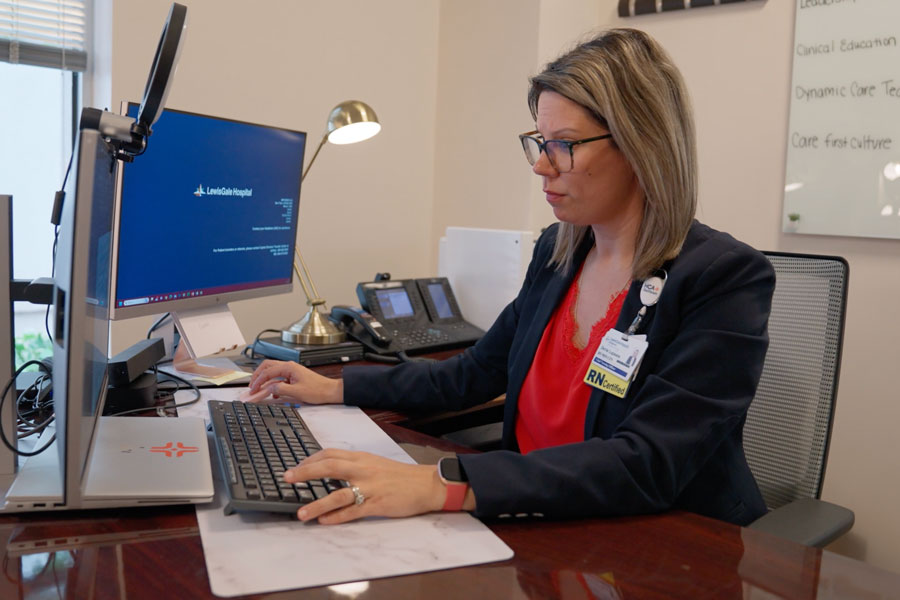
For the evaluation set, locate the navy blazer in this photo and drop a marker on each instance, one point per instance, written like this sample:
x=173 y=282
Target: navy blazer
x=674 y=441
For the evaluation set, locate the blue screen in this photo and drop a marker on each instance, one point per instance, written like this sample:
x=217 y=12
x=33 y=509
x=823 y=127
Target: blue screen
x=441 y=304
x=209 y=208
x=394 y=303
x=101 y=196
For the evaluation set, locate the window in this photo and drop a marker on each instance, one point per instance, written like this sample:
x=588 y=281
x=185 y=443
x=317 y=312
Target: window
x=41 y=55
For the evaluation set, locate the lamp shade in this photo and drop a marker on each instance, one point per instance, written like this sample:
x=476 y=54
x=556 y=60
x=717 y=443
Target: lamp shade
x=349 y=122
x=352 y=121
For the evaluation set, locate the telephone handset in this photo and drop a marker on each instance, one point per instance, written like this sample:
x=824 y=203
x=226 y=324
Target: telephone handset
x=407 y=315
x=369 y=324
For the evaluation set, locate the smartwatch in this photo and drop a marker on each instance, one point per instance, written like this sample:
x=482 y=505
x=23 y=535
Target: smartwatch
x=453 y=476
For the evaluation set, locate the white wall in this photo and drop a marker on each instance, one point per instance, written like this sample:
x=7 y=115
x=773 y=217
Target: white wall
x=561 y=27
x=481 y=177
x=364 y=208
x=427 y=67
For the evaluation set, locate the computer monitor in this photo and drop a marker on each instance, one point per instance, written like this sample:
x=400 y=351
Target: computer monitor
x=7 y=343
x=81 y=306
x=207 y=215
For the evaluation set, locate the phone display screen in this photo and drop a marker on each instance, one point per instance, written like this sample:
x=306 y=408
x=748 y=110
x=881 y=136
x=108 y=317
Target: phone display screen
x=394 y=303
x=441 y=304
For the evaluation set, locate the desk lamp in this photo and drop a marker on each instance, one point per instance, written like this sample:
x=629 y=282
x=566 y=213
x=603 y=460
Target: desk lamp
x=349 y=122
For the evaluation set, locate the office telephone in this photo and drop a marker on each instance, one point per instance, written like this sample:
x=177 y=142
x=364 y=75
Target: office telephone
x=407 y=315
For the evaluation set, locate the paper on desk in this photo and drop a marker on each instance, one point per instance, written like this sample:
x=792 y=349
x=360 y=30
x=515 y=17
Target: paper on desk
x=224 y=378
x=255 y=553
x=224 y=368
x=199 y=409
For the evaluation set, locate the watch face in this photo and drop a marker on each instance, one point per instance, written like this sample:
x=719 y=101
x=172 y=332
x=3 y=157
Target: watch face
x=449 y=469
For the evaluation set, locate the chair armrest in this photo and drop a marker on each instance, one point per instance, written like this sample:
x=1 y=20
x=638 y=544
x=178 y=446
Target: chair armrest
x=807 y=521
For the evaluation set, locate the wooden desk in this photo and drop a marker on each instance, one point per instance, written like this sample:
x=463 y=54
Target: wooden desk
x=156 y=553
x=434 y=424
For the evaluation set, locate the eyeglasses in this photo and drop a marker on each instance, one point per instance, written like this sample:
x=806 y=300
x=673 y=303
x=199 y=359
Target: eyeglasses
x=559 y=152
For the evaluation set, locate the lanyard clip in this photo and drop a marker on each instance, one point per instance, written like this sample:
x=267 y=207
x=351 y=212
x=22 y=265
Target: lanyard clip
x=635 y=323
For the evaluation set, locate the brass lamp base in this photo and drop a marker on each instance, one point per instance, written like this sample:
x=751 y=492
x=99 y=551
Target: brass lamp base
x=314 y=329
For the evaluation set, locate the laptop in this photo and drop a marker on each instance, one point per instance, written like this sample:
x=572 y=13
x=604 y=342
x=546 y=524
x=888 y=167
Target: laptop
x=134 y=461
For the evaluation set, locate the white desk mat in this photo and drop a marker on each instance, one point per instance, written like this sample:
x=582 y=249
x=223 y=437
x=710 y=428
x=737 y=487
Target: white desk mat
x=254 y=553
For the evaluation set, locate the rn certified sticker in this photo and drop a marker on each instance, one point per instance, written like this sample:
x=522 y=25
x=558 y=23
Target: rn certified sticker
x=615 y=362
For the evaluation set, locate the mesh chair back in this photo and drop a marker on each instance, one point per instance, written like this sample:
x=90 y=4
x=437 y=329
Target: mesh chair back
x=789 y=422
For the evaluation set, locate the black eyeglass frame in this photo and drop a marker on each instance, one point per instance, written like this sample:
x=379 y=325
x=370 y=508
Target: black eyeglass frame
x=530 y=135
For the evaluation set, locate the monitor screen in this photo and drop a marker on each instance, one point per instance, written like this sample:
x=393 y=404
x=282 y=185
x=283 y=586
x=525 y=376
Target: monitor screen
x=81 y=301
x=207 y=215
x=394 y=303
x=439 y=298
x=8 y=417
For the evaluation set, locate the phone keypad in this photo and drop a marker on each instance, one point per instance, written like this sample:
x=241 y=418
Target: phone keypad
x=420 y=337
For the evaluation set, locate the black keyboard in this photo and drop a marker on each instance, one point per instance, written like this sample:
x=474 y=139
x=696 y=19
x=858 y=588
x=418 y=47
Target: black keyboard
x=256 y=444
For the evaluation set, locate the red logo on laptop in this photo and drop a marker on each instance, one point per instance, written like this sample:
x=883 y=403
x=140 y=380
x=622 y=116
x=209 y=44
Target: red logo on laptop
x=178 y=449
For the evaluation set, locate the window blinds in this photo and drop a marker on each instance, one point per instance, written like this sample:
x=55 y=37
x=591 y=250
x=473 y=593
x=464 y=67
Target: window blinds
x=47 y=33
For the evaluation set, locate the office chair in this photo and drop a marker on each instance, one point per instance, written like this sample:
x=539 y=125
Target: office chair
x=788 y=425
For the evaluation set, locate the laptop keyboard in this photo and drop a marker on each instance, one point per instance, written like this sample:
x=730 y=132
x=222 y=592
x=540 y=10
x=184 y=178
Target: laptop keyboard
x=255 y=445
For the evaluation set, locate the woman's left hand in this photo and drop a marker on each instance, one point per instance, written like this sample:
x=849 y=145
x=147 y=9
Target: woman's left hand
x=389 y=488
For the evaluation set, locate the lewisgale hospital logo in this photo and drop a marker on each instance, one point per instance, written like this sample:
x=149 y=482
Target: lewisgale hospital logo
x=177 y=450
x=223 y=191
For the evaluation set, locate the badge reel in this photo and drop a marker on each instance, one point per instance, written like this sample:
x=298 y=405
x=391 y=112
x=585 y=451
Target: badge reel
x=619 y=355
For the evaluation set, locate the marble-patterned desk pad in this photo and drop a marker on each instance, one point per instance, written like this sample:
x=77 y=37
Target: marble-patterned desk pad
x=253 y=553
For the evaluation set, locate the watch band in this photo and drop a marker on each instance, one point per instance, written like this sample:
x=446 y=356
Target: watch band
x=456 y=495
x=456 y=484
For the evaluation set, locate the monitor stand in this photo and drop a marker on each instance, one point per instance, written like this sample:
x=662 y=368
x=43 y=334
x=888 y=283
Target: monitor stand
x=39 y=475
x=205 y=332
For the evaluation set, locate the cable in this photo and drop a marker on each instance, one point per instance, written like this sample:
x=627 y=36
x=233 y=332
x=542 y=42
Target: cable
x=37 y=428
x=56 y=211
x=32 y=392
x=404 y=357
x=382 y=358
x=37 y=395
x=69 y=167
x=6 y=389
x=157 y=324
x=52 y=274
x=252 y=346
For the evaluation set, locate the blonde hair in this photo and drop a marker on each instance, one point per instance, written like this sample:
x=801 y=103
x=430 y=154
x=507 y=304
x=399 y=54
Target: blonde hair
x=625 y=79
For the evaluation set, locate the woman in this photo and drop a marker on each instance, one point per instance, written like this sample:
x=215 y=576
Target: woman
x=614 y=146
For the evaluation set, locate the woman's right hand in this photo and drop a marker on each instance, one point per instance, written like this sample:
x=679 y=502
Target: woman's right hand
x=290 y=382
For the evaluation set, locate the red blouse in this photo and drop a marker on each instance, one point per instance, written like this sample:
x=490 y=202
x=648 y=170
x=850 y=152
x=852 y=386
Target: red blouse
x=554 y=398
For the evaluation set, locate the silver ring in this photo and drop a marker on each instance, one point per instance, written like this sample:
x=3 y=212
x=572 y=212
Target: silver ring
x=358 y=496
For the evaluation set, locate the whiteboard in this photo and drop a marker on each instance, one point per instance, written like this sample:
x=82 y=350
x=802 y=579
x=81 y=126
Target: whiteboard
x=485 y=268
x=843 y=148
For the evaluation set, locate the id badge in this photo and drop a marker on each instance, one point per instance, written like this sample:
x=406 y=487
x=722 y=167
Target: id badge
x=615 y=362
